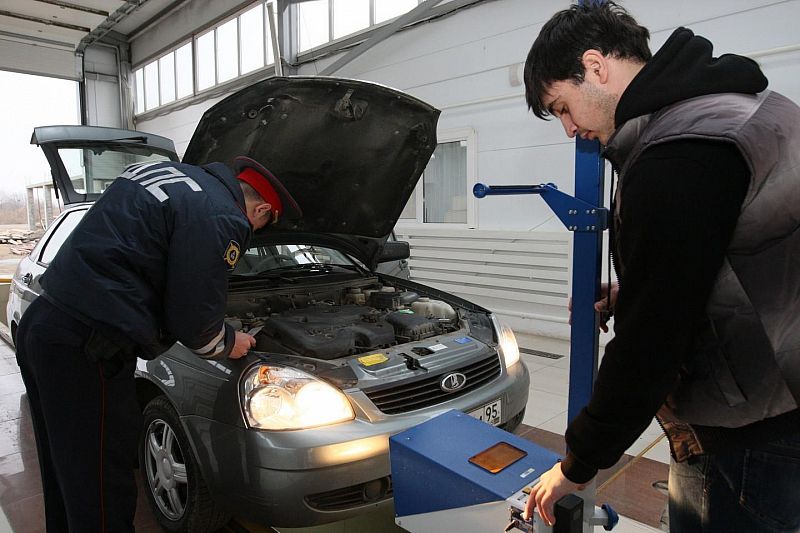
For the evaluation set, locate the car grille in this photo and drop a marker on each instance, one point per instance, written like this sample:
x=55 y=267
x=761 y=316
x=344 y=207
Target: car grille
x=352 y=496
x=408 y=396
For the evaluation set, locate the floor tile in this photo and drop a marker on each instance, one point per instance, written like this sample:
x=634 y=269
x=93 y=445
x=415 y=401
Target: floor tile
x=19 y=477
x=542 y=406
x=557 y=424
x=551 y=379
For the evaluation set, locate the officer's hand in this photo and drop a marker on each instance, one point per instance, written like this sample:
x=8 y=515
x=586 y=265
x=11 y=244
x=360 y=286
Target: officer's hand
x=242 y=345
x=550 y=488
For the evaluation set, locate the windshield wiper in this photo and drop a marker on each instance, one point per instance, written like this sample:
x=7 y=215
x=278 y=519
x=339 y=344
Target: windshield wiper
x=265 y=274
x=310 y=267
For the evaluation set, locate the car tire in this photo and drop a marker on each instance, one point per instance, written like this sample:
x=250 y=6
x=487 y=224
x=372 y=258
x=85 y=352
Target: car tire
x=175 y=488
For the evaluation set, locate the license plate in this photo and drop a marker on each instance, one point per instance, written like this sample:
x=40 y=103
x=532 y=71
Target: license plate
x=491 y=413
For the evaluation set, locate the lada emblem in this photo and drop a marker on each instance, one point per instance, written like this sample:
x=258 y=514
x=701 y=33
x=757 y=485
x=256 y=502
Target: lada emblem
x=453 y=382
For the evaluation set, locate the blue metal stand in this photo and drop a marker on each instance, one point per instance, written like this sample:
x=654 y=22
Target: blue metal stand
x=584 y=215
x=587 y=261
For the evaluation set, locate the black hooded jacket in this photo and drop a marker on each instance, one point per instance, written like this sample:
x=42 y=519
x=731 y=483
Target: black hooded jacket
x=681 y=203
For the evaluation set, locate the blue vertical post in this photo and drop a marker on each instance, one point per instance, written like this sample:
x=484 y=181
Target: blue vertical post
x=587 y=260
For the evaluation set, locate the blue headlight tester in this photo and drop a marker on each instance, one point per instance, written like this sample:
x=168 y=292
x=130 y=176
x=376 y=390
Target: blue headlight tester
x=436 y=486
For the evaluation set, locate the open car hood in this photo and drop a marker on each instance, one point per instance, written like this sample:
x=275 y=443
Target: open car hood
x=85 y=159
x=350 y=153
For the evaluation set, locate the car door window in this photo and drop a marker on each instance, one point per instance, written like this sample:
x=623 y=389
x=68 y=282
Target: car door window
x=60 y=234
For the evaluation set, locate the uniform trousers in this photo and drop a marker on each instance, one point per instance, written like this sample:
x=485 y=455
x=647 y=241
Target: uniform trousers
x=86 y=421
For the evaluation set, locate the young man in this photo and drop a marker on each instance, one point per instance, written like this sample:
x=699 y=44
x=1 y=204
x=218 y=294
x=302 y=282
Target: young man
x=706 y=242
x=146 y=267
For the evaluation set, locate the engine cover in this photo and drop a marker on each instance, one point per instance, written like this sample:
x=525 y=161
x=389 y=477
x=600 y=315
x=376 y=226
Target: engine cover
x=330 y=331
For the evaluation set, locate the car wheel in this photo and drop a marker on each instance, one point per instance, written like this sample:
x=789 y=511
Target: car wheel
x=178 y=495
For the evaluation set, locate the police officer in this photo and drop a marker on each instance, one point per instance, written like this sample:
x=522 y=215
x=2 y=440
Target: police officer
x=146 y=267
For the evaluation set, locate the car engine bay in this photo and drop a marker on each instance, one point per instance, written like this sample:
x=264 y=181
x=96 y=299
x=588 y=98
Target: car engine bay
x=331 y=321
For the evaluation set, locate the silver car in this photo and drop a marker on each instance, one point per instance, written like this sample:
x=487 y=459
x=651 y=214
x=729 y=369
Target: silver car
x=296 y=433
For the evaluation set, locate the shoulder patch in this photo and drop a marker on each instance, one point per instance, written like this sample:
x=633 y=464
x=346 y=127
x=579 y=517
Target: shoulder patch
x=232 y=254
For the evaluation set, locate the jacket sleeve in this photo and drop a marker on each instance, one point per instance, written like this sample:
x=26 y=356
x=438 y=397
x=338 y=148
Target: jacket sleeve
x=197 y=279
x=680 y=205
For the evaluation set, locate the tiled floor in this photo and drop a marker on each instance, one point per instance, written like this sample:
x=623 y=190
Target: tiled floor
x=631 y=493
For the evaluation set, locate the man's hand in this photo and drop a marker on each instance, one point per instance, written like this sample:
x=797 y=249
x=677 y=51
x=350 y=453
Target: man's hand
x=242 y=345
x=550 y=488
x=601 y=306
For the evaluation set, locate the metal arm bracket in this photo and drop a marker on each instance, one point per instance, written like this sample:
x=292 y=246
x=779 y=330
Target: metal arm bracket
x=574 y=213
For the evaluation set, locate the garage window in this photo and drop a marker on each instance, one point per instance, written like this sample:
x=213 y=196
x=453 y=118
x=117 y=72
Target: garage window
x=349 y=16
x=184 y=78
x=151 y=99
x=242 y=44
x=321 y=21
x=389 y=9
x=164 y=80
x=444 y=192
x=313 y=24
x=254 y=43
x=166 y=76
x=237 y=46
x=206 y=62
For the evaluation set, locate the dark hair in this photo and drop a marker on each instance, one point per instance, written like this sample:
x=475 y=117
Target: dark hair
x=556 y=54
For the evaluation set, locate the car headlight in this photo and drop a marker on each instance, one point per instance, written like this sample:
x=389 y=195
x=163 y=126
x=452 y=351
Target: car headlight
x=507 y=343
x=276 y=397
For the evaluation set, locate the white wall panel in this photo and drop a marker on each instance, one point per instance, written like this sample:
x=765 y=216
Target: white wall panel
x=178 y=125
x=42 y=60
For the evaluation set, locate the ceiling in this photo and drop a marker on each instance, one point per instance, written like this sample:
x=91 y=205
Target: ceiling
x=77 y=23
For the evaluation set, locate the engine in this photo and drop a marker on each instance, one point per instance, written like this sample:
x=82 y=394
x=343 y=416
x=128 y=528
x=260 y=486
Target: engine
x=338 y=322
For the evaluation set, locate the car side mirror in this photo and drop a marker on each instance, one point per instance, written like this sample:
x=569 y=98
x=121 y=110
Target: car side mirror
x=394 y=251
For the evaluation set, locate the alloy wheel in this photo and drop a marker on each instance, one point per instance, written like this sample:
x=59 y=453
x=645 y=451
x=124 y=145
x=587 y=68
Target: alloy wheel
x=166 y=469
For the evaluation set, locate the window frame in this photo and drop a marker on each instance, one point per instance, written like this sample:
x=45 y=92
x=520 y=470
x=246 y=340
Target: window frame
x=470 y=136
x=157 y=61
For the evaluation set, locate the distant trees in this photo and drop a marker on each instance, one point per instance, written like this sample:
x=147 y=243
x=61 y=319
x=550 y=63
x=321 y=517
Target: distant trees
x=13 y=209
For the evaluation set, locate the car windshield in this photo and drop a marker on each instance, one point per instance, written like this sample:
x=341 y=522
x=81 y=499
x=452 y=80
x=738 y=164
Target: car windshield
x=91 y=169
x=266 y=258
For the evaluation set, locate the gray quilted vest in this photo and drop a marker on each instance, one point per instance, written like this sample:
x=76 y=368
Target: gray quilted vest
x=746 y=361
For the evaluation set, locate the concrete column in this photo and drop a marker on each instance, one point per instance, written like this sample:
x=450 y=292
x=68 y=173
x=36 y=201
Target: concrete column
x=48 y=205
x=30 y=208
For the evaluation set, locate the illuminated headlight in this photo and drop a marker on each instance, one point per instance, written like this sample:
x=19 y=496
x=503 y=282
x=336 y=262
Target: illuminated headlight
x=275 y=397
x=507 y=343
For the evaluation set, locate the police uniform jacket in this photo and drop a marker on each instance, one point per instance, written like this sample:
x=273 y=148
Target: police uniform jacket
x=147 y=265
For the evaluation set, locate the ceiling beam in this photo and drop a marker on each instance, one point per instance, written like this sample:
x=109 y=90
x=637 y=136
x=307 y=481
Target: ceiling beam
x=46 y=22
x=76 y=7
x=104 y=27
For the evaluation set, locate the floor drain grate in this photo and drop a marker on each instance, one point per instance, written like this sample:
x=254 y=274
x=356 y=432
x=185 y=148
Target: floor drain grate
x=539 y=353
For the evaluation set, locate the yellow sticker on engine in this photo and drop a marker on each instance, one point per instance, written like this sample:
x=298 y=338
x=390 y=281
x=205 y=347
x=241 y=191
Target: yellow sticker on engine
x=373 y=359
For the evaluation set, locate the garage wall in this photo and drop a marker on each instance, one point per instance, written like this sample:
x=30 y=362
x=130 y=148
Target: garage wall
x=42 y=59
x=470 y=65
x=102 y=87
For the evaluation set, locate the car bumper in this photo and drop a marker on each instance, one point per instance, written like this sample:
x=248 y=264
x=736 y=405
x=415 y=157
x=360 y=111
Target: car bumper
x=309 y=477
